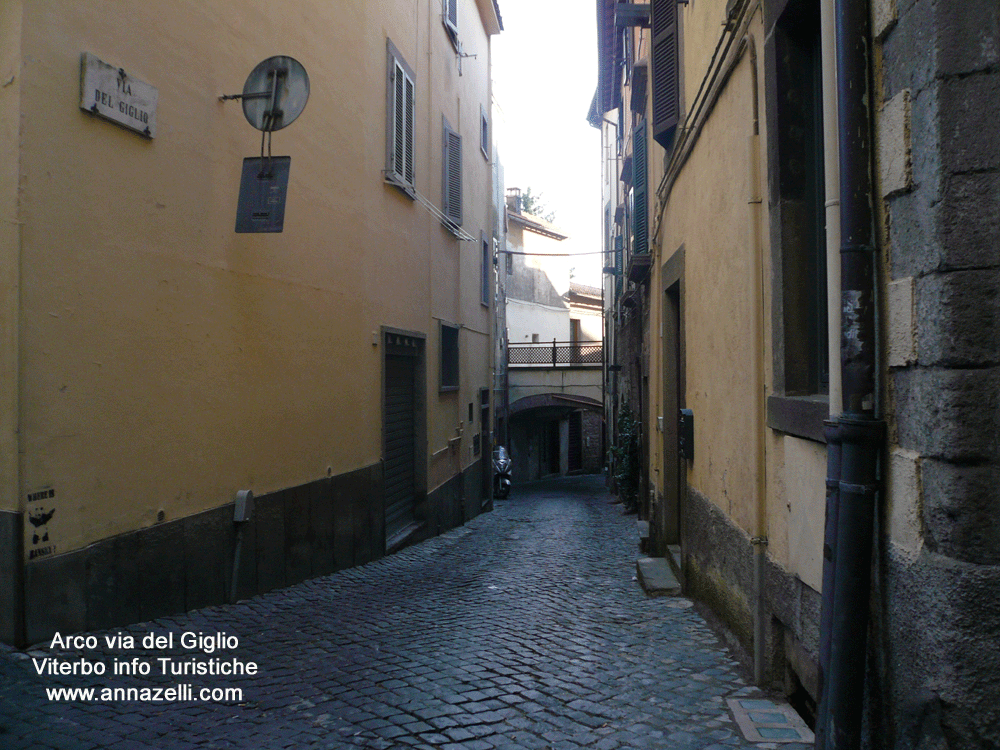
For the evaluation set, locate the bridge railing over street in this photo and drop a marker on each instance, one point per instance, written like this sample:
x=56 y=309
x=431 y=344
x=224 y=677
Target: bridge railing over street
x=556 y=354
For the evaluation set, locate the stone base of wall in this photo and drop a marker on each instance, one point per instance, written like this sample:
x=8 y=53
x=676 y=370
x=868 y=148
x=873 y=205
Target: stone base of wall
x=718 y=562
x=295 y=534
x=458 y=500
x=11 y=609
x=937 y=651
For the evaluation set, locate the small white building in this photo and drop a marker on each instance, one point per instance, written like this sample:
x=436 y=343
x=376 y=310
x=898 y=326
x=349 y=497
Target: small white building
x=554 y=353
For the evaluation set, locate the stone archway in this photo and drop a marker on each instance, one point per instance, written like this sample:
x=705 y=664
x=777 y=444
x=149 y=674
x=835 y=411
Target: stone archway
x=556 y=434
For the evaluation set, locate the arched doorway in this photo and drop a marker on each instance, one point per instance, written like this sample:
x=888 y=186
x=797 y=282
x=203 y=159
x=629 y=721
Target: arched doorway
x=555 y=434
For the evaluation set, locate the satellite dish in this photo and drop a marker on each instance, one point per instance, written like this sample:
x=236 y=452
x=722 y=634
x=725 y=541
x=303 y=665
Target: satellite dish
x=275 y=93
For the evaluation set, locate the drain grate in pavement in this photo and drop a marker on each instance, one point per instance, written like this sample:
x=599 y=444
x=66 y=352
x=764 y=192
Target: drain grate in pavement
x=762 y=720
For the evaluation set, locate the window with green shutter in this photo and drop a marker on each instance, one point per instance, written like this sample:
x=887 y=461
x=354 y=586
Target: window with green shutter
x=640 y=187
x=449 y=17
x=400 y=104
x=665 y=71
x=487 y=271
x=451 y=191
x=484 y=132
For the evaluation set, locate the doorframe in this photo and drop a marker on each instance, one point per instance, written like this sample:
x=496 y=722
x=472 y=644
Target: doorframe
x=421 y=511
x=674 y=469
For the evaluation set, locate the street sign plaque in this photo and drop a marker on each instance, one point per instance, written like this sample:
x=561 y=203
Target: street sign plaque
x=111 y=93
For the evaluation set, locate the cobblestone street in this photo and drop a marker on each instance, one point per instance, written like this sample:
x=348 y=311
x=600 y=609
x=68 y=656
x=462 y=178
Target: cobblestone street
x=522 y=629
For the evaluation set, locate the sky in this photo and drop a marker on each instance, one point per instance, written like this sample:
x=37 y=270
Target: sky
x=544 y=76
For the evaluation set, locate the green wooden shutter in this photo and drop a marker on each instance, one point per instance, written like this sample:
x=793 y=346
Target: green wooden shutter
x=398 y=119
x=403 y=102
x=452 y=187
x=666 y=80
x=450 y=17
x=640 y=186
x=409 y=103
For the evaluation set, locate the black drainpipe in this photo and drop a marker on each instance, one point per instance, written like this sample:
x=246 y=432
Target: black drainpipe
x=831 y=431
x=860 y=431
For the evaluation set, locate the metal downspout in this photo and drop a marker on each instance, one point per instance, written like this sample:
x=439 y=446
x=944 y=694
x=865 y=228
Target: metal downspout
x=831 y=430
x=759 y=539
x=860 y=430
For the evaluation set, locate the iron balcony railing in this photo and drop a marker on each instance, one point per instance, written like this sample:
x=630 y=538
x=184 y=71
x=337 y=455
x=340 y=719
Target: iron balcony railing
x=556 y=354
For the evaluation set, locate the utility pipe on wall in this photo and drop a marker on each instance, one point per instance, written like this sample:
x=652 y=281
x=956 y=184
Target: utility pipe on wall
x=759 y=539
x=860 y=430
x=831 y=176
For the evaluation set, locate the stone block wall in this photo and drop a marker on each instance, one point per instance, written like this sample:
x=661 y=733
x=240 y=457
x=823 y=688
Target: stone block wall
x=936 y=653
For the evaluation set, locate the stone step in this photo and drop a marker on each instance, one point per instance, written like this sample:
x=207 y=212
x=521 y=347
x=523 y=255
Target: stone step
x=657 y=577
x=643 y=528
x=675 y=561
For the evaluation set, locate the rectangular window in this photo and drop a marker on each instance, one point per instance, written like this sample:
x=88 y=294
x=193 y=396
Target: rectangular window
x=449 y=17
x=798 y=227
x=665 y=71
x=400 y=104
x=449 y=357
x=640 y=182
x=487 y=271
x=451 y=189
x=484 y=132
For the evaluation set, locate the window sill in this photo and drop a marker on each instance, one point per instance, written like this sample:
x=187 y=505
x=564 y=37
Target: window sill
x=801 y=416
x=448 y=389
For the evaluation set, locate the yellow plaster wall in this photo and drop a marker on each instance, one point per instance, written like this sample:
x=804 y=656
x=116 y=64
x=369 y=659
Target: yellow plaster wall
x=801 y=551
x=708 y=215
x=10 y=248
x=701 y=25
x=455 y=270
x=168 y=361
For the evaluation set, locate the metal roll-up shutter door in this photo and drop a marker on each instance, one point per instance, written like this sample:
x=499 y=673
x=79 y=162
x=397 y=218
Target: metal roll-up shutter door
x=400 y=441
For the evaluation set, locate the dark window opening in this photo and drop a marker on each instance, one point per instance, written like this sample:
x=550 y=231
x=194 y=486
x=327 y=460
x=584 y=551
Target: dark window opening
x=484 y=132
x=801 y=200
x=487 y=269
x=449 y=357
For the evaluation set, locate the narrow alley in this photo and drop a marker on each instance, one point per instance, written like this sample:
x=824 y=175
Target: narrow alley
x=524 y=628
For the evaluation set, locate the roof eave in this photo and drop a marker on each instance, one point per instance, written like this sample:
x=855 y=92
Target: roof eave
x=489 y=12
